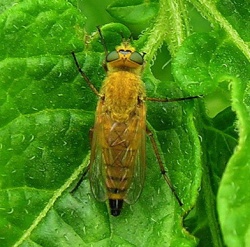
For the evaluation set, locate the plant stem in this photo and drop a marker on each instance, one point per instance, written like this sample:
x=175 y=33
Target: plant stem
x=177 y=25
x=170 y=25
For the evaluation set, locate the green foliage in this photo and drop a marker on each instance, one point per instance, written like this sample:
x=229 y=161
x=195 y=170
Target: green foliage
x=46 y=111
x=126 y=11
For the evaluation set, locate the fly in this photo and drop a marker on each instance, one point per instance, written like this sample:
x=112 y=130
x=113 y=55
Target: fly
x=117 y=163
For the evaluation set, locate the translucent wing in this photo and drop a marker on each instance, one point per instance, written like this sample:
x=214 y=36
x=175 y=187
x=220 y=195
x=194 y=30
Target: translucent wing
x=97 y=166
x=139 y=167
x=117 y=168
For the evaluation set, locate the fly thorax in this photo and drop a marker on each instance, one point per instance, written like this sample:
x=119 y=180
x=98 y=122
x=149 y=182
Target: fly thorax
x=122 y=90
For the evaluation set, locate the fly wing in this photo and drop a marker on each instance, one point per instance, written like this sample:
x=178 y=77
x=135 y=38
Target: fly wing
x=139 y=167
x=117 y=165
x=97 y=166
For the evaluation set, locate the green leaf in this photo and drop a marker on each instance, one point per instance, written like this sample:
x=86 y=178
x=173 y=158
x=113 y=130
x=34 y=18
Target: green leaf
x=237 y=14
x=217 y=133
x=229 y=68
x=190 y=66
x=133 y=11
x=233 y=193
x=46 y=115
x=40 y=110
x=47 y=110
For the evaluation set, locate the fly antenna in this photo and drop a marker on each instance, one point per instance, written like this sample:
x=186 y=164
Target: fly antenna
x=102 y=40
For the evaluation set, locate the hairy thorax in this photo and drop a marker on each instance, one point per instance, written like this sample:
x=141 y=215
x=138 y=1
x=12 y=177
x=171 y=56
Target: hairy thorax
x=122 y=92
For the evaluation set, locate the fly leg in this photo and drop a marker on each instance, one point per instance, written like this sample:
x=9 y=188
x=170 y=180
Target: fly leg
x=83 y=176
x=86 y=170
x=92 y=87
x=172 y=100
x=154 y=145
x=163 y=171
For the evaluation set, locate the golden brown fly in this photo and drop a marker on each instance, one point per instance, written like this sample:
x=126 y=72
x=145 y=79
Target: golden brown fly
x=117 y=163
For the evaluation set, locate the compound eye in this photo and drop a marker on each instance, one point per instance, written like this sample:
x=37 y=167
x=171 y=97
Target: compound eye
x=112 y=56
x=137 y=58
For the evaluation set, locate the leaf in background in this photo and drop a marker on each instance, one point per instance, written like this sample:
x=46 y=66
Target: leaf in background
x=190 y=66
x=133 y=11
x=237 y=13
x=231 y=66
x=112 y=34
x=45 y=117
x=228 y=67
x=219 y=139
x=233 y=197
x=195 y=63
x=43 y=131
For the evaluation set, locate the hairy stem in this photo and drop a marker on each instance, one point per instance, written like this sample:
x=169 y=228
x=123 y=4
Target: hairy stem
x=170 y=25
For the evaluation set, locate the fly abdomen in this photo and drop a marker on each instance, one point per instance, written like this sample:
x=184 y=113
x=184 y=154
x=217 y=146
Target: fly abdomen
x=117 y=181
x=116 y=186
x=119 y=153
x=116 y=190
x=115 y=206
x=118 y=168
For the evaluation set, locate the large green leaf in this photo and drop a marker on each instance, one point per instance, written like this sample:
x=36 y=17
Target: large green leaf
x=47 y=110
x=229 y=68
x=133 y=11
x=46 y=114
x=233 y=196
